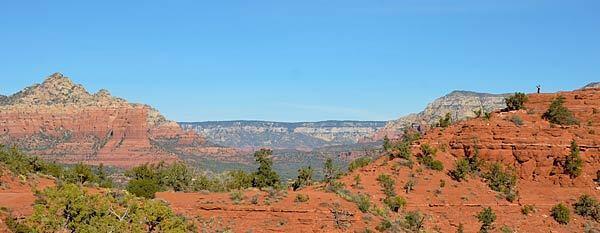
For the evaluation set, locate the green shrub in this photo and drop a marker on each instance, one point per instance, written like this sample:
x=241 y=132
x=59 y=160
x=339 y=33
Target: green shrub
x=460 y=171
x=179 y=177
x=330 y=171
x=395 y=203
x=410 y=135
x=80 y=174
x=427 y=158
x=301 y=198
x=486 y=217
x=20 y=163
x=478 y=113
x=144 y=187
x=237 y=196
x=235 y=180
x=587 y=206
x=58 y=171
x=68 y=208
x=475 y=163
x=470 y=164
x=265 y=176
x=17 y=162
x=103 y=180
x=502 y=180
x=150 y=178
x=404 y=151
x=517 y=120
x=384 y=225
x=561 y=214
x=304 y=178
x=176 y=176
x=334 y=186
x=445 y=121
x=387 y=184
x=487 y=115
x=516 y=101
x=387 y=144
x=414 y=221
x=574 y=163
x=358 y=163
x=363 y=201
x=506 y=229
x=557 y=113
x=528 y=209
x=436 y=165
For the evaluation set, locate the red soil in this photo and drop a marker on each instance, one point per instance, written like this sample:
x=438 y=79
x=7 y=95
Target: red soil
x=535 y=149
x=17 y=195
x=284 y=215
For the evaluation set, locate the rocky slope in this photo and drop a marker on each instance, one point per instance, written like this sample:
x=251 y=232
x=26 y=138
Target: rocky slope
x=61 y=120
x=280 y=135
x=460 y=104
x=535 y=148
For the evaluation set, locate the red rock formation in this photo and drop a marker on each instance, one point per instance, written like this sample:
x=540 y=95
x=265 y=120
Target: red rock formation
x=536 y=146
x=62 y=121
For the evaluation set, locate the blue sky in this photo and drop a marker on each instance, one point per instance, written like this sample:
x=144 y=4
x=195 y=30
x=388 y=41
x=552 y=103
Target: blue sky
x=300 y=60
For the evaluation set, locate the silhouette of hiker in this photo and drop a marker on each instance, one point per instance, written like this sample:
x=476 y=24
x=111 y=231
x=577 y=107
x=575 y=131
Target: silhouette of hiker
x=539 y=88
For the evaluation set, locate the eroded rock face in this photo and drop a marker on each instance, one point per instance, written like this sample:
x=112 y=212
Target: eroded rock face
x=524 y=140
x=460 y=104
x=61 y=121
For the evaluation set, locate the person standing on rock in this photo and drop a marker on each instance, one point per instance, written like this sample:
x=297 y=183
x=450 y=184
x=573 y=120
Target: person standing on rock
x=539 y=88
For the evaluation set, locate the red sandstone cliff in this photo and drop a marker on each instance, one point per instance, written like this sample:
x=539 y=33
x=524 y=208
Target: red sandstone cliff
x=60 y=120
x=535 y=147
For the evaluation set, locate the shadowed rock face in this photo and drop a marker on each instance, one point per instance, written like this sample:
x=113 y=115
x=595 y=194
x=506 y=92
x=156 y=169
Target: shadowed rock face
x=60 y=120
x=280 y=135
x=460 y=104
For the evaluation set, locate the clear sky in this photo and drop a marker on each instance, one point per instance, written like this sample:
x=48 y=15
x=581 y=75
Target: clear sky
x=300 y=60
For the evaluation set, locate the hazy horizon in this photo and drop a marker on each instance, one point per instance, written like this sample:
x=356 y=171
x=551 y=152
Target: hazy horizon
x=300 y=62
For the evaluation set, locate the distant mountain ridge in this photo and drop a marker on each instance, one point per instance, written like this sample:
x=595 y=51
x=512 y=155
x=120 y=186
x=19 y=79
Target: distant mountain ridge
x=284 y=135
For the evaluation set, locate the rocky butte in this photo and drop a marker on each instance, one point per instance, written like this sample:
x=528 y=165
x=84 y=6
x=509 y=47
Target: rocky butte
x=60 y=120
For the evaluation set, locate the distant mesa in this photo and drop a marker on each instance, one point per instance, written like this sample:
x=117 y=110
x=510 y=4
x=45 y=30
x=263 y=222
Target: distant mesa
x=283 y=135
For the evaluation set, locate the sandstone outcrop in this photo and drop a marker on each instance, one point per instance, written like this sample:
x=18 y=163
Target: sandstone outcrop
x=62 y=121
x=529 y=143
